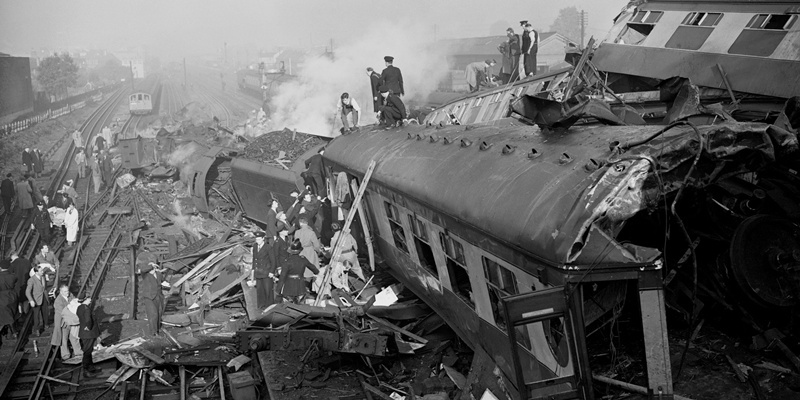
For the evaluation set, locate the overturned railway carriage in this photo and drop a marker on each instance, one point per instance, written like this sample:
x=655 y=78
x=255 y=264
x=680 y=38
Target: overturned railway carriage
x=522 y=214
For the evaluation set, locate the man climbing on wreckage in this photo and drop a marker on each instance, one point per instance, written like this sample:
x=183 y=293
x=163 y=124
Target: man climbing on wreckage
x=393 y=111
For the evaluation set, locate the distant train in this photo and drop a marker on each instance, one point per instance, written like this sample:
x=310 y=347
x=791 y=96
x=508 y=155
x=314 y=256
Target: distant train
x=145 y=100
x=140 y=103
x=264 y=82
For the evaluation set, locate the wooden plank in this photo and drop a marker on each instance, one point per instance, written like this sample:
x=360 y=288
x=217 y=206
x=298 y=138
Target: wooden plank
x=228 y=287
x=398 y=329
x=61 y=381
x=182 y=373
x=221 y=384
x=8 y=371
x=365 y=228
x=150 y=355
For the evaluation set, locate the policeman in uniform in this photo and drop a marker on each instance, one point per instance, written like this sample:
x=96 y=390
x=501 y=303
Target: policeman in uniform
x=152 y=297
x=392 y=78
x=263 y=271
x=291 y=285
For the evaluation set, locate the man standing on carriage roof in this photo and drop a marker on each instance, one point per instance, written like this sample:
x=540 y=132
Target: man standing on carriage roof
x=392 y=78
x=375 y=83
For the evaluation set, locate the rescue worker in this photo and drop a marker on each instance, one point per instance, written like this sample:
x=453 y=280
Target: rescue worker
x=8 y=298
x=391 y=77
x=61 y=336
x=37 y=299
x=88 y=333
x=71 y=223
x=290 y=284
x=7 y=192
x=41 y=222
x=107 y=168
x=308 y=239
x=349 y=250
x=315 y=171
x=271 y=228
x=263 y=271
x=347 y=105
x=152 y=298
x=38 y=162
x=21 y=268
x=477 y=73
x=374 y=84
x=393 y=111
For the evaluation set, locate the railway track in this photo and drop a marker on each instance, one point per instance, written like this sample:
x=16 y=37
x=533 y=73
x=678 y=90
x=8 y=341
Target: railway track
x=22 y=377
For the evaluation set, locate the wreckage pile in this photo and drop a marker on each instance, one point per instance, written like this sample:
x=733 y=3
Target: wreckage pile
x=285 y=144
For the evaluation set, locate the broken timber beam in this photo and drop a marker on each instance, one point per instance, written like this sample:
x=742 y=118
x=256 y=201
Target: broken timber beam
x=398 y=329
x=630 y=387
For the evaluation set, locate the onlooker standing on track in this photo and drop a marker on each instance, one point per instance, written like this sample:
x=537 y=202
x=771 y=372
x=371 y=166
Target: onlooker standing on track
x=24 y=197
x=8 y=298
x=71 y=223
x=80 y=161
x=60 y=329
x=37 y=298
x=150 y=291
x=89 y=331
x=107 y=168
x=22 y=269
x=8 y=193
x=99 y=142
x=97 y=175
x=41 y=222
x=38 y=162
x=77 y=138
x=27 y=160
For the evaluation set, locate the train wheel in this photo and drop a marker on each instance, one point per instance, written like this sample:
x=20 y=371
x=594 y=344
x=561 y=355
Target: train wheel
x=765 y=260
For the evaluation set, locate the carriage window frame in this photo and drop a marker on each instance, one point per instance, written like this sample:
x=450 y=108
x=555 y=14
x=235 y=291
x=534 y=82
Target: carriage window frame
x=702 y=18
x=454 y=258
x=766 y=19
x=498 y=285
x=393 y=216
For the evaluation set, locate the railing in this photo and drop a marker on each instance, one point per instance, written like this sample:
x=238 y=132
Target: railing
x=78 y=103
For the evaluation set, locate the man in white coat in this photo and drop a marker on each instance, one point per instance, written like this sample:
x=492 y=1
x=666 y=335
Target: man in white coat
x=71 y=223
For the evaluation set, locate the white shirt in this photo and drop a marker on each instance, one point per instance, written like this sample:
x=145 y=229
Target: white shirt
x=353 y=103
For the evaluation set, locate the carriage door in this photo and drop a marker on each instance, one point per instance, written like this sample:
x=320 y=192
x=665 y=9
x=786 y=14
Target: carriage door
x=552 y=308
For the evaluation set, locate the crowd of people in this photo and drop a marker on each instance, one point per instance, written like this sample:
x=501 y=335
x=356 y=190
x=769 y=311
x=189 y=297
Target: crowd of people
x=24 y=285
x=292 y=255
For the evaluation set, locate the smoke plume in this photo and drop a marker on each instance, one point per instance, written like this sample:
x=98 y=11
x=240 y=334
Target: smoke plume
x=309 y=103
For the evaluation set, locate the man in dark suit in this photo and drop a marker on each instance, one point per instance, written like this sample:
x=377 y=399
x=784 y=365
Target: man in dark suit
x=41 y=222
x=8 y=193
x=375 y=83
x=150 y=290
x=88 y=333
x=37 y=298
x=392 y=78
x=264 y=264
x=271 y=227
x=316 y=171
x=21 y=267
x=8 y=298
x=393 y=111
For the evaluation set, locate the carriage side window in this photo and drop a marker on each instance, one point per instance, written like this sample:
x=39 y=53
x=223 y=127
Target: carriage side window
x=639 y=27
x=694 y=30
x=763 y=34
x=419 y=231
x=398 y=233
x=501 y=283
x=457 y=269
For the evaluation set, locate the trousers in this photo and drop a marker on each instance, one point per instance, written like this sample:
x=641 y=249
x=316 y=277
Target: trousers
x=39 y=314
x=154 y=309
x=66 y=339
x=344 y=118
x=87 y=345
x=265 y=292
x=7 y=204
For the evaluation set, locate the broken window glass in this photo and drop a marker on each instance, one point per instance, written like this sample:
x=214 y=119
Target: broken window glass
x=398 y=233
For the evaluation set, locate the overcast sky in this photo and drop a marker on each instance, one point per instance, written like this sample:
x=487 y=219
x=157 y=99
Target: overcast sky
x=181 y=27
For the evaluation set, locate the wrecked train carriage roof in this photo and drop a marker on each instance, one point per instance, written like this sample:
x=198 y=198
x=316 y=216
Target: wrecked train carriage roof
x=536 y=202
x=704 y=40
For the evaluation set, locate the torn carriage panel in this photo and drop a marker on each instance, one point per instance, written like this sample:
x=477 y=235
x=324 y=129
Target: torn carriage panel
x=203 y=173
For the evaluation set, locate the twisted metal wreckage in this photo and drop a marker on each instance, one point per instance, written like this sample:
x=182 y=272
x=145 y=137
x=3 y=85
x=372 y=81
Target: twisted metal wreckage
x=642 y=158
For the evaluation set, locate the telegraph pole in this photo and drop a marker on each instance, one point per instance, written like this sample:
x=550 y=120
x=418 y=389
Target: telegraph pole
x=584 y=22
x=130 y=63
x=184 y=73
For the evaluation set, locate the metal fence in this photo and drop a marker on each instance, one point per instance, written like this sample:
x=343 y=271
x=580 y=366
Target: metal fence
x=76 y=103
